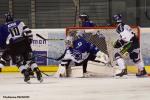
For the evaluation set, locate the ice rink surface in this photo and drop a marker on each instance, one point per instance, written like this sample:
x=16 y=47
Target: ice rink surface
x=12 y=87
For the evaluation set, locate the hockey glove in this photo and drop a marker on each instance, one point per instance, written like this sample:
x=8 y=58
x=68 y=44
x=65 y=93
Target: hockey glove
x=118 y=44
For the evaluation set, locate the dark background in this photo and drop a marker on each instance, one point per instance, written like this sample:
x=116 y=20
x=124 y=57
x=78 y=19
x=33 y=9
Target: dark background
x=62 y=13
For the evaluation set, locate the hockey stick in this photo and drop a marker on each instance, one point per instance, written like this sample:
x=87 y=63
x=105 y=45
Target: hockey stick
x=39 y=70
x=43 y=38
x=44 y=73
x=46 y=57
x=109 y=63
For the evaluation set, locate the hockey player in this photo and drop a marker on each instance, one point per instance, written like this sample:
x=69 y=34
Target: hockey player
x=17 y=39
x=85 y=21
x=78 y=53
x=130 y=44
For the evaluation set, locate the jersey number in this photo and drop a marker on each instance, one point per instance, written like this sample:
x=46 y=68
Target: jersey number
x=80 y=44
x=14 y=31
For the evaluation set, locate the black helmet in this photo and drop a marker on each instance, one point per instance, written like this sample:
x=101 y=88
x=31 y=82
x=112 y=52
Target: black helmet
x=9 y=17
x=84 y=16
x=117 y=18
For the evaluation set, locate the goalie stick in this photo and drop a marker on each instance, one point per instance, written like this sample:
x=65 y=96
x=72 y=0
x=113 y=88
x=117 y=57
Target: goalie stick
x=46 y=57
x=57 y=60
x=109 y=63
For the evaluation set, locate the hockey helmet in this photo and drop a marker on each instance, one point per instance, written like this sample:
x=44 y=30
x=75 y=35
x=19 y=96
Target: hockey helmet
x=9 y=17
x=80 y=33
x=117 y=18
x=84 y=16
x=69 y=41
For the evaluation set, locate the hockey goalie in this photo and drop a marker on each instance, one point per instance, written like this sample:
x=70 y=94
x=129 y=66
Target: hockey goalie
x=78 y=52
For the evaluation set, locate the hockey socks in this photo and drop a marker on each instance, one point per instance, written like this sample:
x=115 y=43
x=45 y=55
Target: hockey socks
x=121 y=63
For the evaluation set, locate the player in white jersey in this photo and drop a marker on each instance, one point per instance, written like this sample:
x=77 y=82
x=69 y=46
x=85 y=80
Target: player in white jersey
x=78 y=52
x=130 y=44
x=18 y=38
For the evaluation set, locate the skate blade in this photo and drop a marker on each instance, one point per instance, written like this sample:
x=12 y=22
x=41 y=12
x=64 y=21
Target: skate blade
x=121 y=77
x=28 y=82
x=143 y=76
x=32 y=76
x=41 y=80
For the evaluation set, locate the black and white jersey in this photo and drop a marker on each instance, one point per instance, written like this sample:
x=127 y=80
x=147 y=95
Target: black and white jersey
x=125 y=32
x=126 y=36
x=17 y=29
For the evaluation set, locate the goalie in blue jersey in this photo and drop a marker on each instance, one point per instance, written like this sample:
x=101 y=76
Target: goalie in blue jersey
x=78 y=52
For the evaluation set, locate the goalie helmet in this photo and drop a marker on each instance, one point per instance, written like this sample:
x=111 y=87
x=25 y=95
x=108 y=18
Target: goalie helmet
x=117 y=18
x=80 y=33
x=9 y=17
x=69 y=41
x=84 y=16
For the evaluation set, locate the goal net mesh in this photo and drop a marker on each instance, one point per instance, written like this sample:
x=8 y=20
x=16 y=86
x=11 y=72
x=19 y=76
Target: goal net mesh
x=102 y=37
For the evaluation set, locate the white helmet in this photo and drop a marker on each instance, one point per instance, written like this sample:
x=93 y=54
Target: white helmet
x=69 y=41
x=80 y=33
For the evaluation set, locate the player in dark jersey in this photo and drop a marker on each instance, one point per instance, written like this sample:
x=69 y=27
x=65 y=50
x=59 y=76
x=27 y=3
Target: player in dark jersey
x=130 y=44
x=85 y=21
x=17 y=39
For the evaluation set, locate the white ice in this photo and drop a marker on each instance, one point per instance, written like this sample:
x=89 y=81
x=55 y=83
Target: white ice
x=132 y=88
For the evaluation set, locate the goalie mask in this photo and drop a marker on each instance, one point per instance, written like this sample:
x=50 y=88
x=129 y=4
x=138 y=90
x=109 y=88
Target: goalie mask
x=80 y=33
x=69 y=41
x=117 y=18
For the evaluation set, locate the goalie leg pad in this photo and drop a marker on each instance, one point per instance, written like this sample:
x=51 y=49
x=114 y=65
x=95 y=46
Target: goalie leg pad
x=102 y=57
x=61 y=71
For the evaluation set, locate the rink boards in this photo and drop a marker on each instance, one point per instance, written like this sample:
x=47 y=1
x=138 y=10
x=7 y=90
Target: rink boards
x=37 y=44
x=53 y=68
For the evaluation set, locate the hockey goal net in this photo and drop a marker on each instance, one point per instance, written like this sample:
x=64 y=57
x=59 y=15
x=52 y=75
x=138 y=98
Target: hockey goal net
x=103 y=37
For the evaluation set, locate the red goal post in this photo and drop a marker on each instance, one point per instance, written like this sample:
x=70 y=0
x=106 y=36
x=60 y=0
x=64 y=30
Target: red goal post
x=103 y=39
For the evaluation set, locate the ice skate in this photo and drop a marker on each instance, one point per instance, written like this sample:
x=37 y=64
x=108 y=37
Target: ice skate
x=26 y=76
x=123 y=74
x=141 y=73
x=39 y=75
